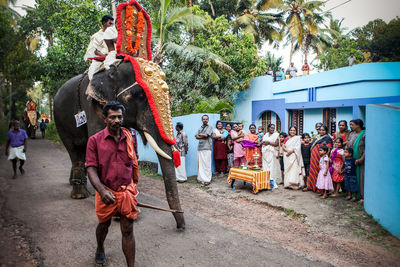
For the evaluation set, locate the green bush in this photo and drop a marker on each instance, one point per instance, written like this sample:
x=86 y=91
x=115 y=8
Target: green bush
x=3 y=131
x=51 y=132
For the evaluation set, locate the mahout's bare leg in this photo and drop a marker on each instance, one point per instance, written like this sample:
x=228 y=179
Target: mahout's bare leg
x=128 y=240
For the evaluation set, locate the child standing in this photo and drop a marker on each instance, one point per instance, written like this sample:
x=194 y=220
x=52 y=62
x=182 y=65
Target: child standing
x=350 y=176
x=306 y=153
x=324 y=181
x=229 y=144
x=260 y=133
x=282 y=139
x=336 y=169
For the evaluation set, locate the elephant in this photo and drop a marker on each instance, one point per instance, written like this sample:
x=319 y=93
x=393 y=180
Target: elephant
x=117 y=83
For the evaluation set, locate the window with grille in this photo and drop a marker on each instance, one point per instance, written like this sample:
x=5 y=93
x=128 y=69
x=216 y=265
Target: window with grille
x=296 y=118
x=266 y=118
x=329 y=115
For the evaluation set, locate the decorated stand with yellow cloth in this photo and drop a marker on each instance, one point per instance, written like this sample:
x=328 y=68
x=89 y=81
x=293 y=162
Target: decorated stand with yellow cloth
x=258 y=178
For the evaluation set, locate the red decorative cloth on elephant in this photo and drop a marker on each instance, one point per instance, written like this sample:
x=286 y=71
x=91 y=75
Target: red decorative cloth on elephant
x=117 y=169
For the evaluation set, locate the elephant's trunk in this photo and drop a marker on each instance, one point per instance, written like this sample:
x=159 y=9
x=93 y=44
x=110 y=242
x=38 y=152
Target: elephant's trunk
x=171 y=189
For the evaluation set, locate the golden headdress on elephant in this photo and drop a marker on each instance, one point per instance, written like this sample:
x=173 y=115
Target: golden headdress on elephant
x=134 y=43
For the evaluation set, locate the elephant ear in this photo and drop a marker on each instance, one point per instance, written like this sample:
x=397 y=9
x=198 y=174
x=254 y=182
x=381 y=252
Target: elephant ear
x=151 y=78
x=134 y=30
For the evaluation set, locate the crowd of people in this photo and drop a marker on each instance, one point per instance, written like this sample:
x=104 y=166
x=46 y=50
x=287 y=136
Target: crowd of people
x=290 y=73
x=322 y=163
x=367 y=57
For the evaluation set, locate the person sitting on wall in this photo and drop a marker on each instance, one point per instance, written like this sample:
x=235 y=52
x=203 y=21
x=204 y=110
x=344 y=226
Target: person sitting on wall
x=305 y=68
x=366 y=56
x=278 y=75
x=292 y=70
x=351 y=59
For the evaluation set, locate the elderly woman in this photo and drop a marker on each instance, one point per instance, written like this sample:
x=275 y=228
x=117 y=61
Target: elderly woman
x=357 y=143
x=270 y=151
x=321 y=139
x=293 y=161
x=220 y=149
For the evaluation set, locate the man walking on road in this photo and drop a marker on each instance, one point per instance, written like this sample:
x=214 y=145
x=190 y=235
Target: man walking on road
x=113 y=171
x=204 y=152
x=17 y=140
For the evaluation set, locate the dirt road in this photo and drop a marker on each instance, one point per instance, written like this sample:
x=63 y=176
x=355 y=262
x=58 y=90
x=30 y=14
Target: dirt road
x=43 y=226
x=48 y=228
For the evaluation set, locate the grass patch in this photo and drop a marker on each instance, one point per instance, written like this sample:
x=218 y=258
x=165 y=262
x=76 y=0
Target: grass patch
x=51 y=132
x=149 y=173
x=293 y=214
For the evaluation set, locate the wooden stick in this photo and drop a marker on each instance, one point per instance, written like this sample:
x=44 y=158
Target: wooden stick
x=157 y=208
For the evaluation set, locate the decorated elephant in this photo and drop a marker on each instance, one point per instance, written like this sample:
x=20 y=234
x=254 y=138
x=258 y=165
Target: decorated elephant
x=147 y=111
x=30 y=119
x=137 y=83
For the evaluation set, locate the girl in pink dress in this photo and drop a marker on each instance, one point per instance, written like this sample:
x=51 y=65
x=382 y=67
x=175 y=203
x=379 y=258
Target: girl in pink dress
x=324 y=180
x=336 y=168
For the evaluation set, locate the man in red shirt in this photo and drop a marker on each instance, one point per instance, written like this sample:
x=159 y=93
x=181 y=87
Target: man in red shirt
x=113 y=171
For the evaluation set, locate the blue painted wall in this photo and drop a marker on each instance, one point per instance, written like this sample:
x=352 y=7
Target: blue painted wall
x=382 y=175
x=348 y=89
x=191 y=123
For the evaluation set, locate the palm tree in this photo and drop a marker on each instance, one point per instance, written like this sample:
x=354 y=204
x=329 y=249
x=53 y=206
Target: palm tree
x=302 y=22
x=167 y=29
x=6 y=5
x=313 y=35
x=255 y=19
x=335 y=30
x=167 y=26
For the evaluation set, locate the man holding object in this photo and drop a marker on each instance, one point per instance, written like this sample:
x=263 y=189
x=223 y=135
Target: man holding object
x=113 y=171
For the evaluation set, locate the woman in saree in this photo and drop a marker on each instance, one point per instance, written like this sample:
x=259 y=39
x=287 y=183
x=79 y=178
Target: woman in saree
x=252 y=147
x=357 y=143
x=322 y=138
x=220 y=149
x=270 y=153
x=343 y=132
x=293 y=161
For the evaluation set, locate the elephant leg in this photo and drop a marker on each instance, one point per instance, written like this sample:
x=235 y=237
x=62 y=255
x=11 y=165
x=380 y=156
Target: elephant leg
x=77 y=176
x=79 y=181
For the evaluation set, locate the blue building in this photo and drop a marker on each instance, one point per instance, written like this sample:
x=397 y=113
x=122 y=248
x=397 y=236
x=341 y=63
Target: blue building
x=369 y=91
x=327 y=97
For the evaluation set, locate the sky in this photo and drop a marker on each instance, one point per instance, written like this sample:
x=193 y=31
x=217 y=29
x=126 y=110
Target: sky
x=356 y=13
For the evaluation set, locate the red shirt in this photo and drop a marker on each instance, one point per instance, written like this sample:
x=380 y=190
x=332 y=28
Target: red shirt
x=114 y=167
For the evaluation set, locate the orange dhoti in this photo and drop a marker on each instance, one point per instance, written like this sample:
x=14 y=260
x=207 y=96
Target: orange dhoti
x=125 y=204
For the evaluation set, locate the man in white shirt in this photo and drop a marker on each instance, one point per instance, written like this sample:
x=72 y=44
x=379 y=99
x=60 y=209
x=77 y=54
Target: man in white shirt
x=292 y=70
x=97 y=46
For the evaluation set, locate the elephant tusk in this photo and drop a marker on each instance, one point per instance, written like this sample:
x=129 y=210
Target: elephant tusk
x=154 y=145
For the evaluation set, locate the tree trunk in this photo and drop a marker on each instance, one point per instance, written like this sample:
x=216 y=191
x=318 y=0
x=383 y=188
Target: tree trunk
x=291 y=50
x=306 y=47
x=212 y=8
x=190 y=3
x=50 y=108
x=114 y=9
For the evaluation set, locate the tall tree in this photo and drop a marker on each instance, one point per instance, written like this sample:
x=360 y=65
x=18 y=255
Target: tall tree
x=301 y=22
x=168 y=27
x=256 y=20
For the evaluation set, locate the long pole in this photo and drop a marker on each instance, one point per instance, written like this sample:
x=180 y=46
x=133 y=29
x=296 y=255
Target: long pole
x=157 y=208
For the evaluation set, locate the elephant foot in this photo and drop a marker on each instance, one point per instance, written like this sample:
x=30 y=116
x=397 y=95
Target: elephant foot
x=79 y=191
x=180 y=222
